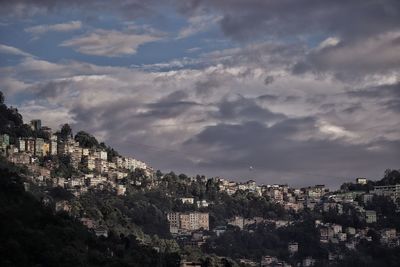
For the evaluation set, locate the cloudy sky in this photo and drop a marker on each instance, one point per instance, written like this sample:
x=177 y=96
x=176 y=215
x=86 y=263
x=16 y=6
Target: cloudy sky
x=304 y=91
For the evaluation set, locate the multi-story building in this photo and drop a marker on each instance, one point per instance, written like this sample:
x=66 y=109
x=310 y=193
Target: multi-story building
x=4 y=141
x=53 y=145
x=293 y=247
x=96 y=180
x=370 y=216
x=188 y=200
x=89 y=162
x=85 y=151
x=392 y=191
x=99 y=154
x=121 y=189
x=36 y=125
x=46 y=149
x=118 y=161
x=38 y=149
x=101 y=165
x=188 y=221
x=361 y=180
x=21 y=144
x=20 y=158
x=30 y=145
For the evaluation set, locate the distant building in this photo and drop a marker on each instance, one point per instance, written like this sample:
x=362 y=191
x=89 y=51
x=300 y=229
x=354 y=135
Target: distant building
x=53 y=145
x=101 y=231
x=30 y=145
x=46 y=149
x=293 y=247
x=366 y=198
x=4 y=141
x=39 y=142
x=370 y=216
x=188 y=221
x=219 y=230
x=21 y=144
x=392 y=191
x=308 y=262
x=101 y=165
x=187 y=200
x=361 y=180
x=202 y=203
x=267 y=261
x=184 y=263
x=237 y=221
x=36 y=125
x=121 y=189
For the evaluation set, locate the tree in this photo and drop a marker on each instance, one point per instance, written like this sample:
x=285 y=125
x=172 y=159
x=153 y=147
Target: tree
x=1 y=98
x=86 y=140
x=66 y=131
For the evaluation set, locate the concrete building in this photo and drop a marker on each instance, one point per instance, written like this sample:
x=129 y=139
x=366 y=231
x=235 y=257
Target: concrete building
x=46 y=149
x=187 y=200
x=190 y=221
x=361 y=180
x=370 y=216
x=30 y=145
x=293 y=247
x=121 y=189
x=392 y=191
x=101 y=165
x=4 y=141
x=21 y=144
x=237 y=221
x=53 y=145
x=89 y=162
x=36 y=125
x=38 y=149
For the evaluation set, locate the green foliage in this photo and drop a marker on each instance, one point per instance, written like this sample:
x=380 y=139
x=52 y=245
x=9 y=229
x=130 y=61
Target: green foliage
x=32 y=235
x=391 y=177
x=86 y=140
x=66 y=132
x=264 y=239
x=11 y=123
x=65 y=168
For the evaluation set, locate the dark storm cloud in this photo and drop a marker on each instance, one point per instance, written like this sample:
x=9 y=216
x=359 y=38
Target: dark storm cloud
x=354 y=108
x=243 y=18
x=388 y=96
x=393 y=104
x=277 y=149
x=366 y=31
x=128 y=9
x=204 y=88
x=245 y=108
x=350 y=59
x=383 y=91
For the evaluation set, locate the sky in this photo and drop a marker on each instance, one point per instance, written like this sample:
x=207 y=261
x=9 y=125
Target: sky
x=300 y=92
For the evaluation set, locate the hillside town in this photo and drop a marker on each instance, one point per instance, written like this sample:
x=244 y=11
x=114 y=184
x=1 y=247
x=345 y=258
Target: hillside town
x=95 y=169
x=93 y=165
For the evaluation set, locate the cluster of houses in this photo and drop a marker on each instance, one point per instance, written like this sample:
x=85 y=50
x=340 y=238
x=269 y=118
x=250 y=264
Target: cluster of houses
x=317 y=198
x=95 y=166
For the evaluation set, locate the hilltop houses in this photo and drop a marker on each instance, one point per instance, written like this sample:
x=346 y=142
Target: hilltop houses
x=94 y=163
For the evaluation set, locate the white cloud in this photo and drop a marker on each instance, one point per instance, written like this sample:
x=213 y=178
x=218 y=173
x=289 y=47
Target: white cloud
x=61 y=27
x=335 y=131
x=328 y=42
x=198 y=24
x=109 y=43
x=6 y=49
